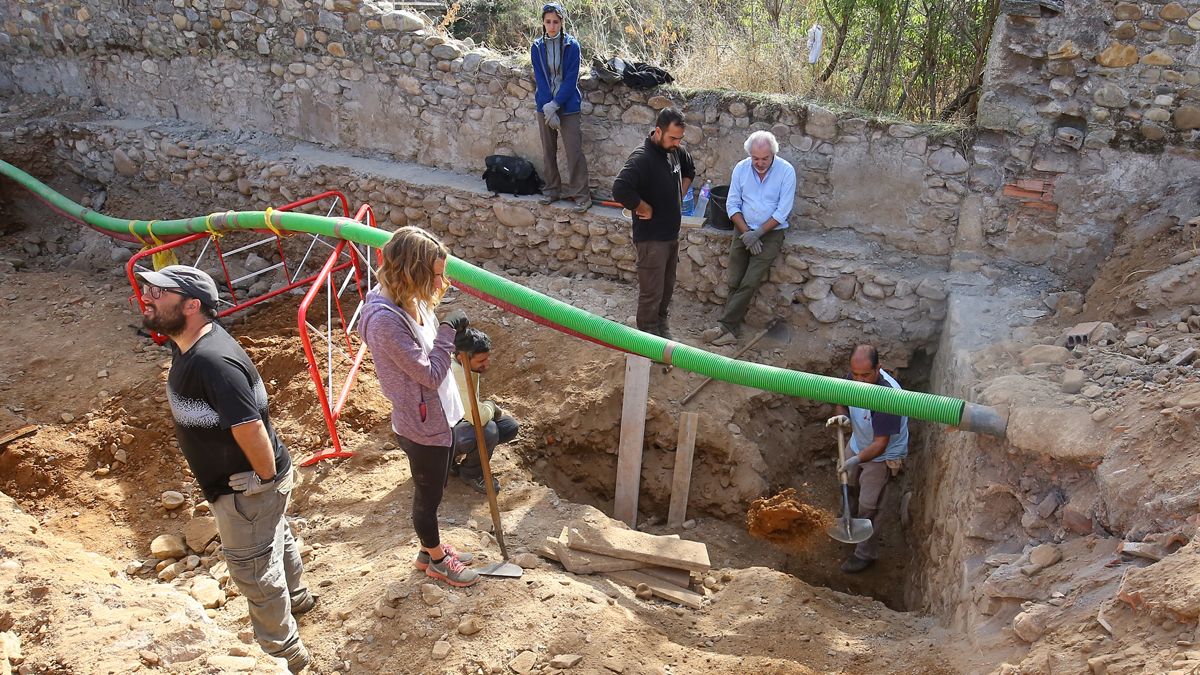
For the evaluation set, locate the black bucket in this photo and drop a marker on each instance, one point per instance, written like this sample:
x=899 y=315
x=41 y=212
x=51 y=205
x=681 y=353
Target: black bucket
x=715 y=213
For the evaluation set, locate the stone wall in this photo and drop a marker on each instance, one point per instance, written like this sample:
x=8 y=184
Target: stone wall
x=370 y=80
x=1089 y=123
x=834 y=288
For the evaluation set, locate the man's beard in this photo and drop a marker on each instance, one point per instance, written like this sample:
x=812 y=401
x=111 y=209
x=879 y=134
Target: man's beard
x=165 y=323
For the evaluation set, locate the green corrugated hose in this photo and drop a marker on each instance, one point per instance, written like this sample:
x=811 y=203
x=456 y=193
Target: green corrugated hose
x=918 y=405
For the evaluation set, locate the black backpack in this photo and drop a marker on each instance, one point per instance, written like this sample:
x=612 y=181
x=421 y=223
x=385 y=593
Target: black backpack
x=511 y=175
x=645 y=76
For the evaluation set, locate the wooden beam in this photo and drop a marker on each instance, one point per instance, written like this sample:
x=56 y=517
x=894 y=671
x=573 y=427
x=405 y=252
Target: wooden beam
x=633 y=432
x=662 y=589
x=681 y=482
x=634 y=545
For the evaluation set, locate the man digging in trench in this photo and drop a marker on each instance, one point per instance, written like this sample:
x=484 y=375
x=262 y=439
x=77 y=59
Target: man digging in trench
x=877 y=448
x=498 y=426
x=224 y=430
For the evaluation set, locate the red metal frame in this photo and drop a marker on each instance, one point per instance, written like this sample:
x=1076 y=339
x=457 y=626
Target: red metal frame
x=332 y=413
x=237 y=307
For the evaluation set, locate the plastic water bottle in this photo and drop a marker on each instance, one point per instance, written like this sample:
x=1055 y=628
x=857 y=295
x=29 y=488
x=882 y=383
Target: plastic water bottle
x=702 y=201
x=689 y=203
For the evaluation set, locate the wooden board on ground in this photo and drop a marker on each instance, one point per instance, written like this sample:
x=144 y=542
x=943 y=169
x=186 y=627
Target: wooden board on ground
x=634 y=545
x=662 y=589
x=671 y=575
x=11 y=436
x=582 y=562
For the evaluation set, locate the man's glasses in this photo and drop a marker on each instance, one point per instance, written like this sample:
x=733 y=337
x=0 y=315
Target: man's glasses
x=156 y=292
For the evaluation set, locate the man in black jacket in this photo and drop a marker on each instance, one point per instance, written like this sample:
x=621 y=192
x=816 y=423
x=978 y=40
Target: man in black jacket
x=652 y=185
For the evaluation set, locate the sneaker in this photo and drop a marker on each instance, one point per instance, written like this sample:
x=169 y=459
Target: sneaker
x=299 y=659
x=855 y=564
x=546 y=200
x=452 y=571
x=478 y=485
x=582 y=206
x=448 y=551
x=305 y=605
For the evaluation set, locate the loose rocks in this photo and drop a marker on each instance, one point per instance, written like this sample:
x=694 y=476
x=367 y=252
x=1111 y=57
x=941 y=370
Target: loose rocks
x=167 y=546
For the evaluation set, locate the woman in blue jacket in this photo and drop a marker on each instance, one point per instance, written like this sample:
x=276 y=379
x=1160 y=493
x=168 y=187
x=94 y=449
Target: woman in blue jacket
x=556 y=57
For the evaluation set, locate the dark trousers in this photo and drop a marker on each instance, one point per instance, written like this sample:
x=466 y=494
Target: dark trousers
x=497 y=431
x=746 y=273
x=656 y=263
x=430 y=466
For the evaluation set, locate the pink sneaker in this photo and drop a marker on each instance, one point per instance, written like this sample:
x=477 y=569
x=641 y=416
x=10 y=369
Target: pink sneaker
x=447 y=550
x=452 y=571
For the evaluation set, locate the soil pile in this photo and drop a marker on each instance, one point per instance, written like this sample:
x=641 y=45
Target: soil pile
x=783 y=518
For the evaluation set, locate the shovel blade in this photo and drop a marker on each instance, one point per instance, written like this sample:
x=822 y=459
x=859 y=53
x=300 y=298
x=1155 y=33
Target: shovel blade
x=501 y=569
x=851 y=530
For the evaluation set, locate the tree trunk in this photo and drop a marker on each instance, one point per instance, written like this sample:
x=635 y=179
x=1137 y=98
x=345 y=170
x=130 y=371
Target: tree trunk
x=866 y=71
x=842 y=28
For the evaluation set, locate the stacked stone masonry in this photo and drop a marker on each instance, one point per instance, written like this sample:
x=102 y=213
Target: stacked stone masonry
x=372 y=80
x=817 y=282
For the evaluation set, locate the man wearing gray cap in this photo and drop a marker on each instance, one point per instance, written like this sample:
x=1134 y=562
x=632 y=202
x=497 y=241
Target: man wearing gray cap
x=224 y=430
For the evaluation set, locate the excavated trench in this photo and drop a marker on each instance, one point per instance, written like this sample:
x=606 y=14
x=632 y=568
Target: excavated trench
x=750 y=444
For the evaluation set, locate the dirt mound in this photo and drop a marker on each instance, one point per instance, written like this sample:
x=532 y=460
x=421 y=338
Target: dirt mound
x=784 y=518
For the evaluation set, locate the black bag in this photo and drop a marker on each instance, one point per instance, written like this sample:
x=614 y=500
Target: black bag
x=645 y=76
x=511 y=175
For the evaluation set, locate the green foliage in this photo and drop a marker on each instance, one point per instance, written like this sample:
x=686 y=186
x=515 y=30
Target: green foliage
x=908 y=58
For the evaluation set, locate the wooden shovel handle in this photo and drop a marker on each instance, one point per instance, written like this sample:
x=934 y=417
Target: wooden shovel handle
x=481 y=446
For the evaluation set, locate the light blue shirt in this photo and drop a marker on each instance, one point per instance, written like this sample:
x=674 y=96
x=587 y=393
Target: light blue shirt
x=757 y=200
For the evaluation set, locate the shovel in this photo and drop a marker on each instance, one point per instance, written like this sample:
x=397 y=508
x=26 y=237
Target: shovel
x=848 y=530
x=777 y=332
x=503 y=568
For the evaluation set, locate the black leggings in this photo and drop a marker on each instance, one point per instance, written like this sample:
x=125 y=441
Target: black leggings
x=430 y=467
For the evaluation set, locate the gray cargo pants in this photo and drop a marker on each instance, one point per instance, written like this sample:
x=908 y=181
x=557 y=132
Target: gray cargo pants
x=264 y=563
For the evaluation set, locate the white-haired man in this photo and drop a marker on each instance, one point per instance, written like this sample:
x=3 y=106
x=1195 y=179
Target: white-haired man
x=761 y=192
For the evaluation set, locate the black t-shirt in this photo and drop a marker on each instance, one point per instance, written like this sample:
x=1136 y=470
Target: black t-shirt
x=211 y=388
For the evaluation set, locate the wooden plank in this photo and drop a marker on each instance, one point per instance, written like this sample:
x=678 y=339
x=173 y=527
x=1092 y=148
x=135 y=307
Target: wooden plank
x=662 y=589
x=681 y=482
x=633 y=432
x=582 y=562
x=11 y=436
x=675 y=577
x=634 y=545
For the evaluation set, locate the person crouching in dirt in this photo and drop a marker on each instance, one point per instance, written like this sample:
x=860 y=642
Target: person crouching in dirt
x=877 y=448
x=224 y=430
x=412 y=352
x=497 y=426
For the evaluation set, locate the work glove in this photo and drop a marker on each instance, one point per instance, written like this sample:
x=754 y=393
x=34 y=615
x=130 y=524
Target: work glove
x=849 y=464
x=456 y=319
x=550 y=110
x=838 y=421
x=248 y=483
x=751 y=240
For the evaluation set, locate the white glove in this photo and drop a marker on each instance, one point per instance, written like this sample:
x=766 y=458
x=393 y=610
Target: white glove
x=750 y=238
x=248 y=483
x=838 y=421
x=550 y=110
x=849 y=464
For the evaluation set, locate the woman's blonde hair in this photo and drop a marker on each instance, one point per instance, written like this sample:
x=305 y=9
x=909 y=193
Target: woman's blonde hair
x=406 y=273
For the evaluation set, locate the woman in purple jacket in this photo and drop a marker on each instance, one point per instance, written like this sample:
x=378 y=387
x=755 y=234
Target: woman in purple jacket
x=412 y=352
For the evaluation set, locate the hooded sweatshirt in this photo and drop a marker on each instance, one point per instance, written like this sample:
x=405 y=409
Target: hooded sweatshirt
x=412 y=362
